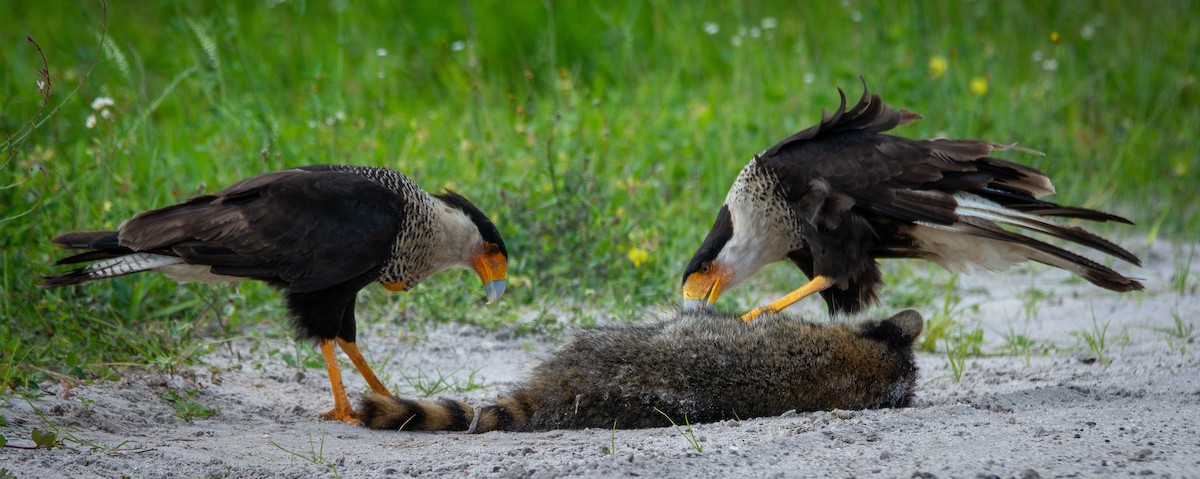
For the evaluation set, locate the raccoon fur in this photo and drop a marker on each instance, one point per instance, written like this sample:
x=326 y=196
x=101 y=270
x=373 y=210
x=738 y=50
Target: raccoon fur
x=687 y=366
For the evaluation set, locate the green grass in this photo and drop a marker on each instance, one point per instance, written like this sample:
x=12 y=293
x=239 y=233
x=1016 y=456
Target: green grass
x=688 y=434
x=1094 y=340
x=316 y=452
x=1178 y=334
x=431 y=384
x=186 y=406
x=587 y=131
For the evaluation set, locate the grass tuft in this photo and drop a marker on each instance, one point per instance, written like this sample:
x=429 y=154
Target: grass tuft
x=1095 y=339
x=689 y=434
x=1179 y=334
x=186 y=407
x=316 y=452
x=438 y=383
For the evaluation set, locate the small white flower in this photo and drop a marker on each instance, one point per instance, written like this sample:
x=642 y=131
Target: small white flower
x=41 y=85
x=769 y=23
x=312 y=123
x=329 y=121
x=711 y=28
x=90 y=122
x=458 y=45
x=340 y=115
x=755 y=32
x=809 y=78
x=1050 y=64
x=1036 y=56
x=101 y=102
x=736 y=40
x=381 y=52
x=1086 y=32
x=106 y=113
x=856 y=16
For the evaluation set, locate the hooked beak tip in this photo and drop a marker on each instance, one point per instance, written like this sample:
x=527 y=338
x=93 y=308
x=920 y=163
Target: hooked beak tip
x=494 y=290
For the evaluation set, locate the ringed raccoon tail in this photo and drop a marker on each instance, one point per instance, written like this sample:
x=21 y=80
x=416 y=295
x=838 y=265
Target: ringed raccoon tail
x=379 y=411
x=509 y=413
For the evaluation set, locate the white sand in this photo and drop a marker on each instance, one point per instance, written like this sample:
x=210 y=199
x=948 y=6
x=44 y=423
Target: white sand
x=1060 y=415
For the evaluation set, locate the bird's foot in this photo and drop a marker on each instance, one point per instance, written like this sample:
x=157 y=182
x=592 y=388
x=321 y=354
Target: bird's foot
x=754 y=313
x=344 y=413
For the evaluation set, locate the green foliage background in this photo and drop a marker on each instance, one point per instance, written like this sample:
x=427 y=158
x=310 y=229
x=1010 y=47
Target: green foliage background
x=586 y=130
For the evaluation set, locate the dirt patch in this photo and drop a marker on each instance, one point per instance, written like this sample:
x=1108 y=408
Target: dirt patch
x=1062 y=414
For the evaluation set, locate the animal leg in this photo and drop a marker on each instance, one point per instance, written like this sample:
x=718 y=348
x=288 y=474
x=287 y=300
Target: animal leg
x=351 y=349
x=818 y=284
x=341 y=404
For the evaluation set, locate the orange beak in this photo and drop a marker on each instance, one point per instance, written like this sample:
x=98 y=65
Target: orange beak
x=701 y=290
x=492 y=269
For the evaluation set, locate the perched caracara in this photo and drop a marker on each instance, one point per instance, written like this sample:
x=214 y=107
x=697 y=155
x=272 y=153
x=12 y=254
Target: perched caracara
x=835 y=197
x=319 y=233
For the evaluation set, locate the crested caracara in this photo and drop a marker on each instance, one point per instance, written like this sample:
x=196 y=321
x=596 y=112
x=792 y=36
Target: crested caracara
x=835 y=197
x=319 y=233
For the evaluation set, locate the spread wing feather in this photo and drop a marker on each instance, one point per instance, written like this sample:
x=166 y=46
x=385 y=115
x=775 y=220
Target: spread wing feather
x=846 y=167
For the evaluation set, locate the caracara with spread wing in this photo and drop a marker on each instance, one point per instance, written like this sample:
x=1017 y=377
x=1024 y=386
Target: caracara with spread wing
x=318 y=233
x=835 y=197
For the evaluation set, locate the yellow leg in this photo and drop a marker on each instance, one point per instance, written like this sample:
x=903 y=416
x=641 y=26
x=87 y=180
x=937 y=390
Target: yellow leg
x=356 y=357
x=341 y=404
x=818 y=284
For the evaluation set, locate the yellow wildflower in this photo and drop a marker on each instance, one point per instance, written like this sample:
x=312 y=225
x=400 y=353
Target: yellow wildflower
x=637 y=256
x=937 y=66
x=979 y=85
x=1054 y=37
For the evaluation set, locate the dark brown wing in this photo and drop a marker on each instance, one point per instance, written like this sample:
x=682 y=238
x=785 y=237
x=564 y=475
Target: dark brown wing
x=859 y=194
x=307 y=229
x=845 y=166
x=845 y=160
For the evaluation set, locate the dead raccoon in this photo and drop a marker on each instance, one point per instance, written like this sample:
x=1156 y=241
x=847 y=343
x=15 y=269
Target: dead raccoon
x=692 y=366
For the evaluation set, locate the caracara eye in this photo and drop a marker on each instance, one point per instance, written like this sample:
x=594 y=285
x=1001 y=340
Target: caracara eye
x=705 y=268
x=491 y=248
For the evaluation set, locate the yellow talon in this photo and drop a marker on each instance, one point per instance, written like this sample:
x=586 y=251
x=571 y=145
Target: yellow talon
x=754 y=313
x=818 y=284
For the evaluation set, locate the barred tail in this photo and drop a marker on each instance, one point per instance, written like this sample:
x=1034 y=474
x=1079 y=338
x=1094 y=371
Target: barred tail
x=509 y=413
x=104 y=247
x=118 y=266
x=1008 y=231
x=378 y=411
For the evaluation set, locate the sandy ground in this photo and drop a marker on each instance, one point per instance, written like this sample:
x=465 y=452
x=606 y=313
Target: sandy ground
x=1061 y=414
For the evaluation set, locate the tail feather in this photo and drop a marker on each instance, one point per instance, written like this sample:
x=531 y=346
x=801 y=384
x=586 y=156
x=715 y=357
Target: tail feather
x=97 y=240
x=379 y=411
x=1052 y=209
x=977 y=207
x=115 y=266
x=1051 y=255
x=1095 y=273
x=91 y=256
